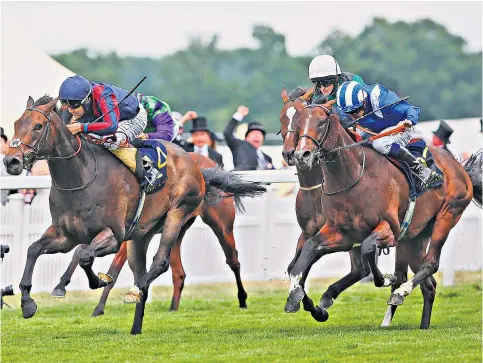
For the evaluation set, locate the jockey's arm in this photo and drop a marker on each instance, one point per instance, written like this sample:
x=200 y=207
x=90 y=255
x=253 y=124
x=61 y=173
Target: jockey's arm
x=109 y=123
x=164 y=124
x=407 y=112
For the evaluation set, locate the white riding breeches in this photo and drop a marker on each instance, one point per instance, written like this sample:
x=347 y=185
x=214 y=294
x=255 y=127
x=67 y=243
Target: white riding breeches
x=383 y=145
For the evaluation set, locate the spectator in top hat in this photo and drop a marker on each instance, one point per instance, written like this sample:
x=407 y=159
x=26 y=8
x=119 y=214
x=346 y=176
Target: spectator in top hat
x=441 y=136
x=247 y=154
x=200 y=133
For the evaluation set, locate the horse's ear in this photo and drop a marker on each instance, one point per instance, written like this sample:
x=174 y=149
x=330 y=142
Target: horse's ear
x=30 y=102
x=50 y=106
x=284 y=95
x=308 y=94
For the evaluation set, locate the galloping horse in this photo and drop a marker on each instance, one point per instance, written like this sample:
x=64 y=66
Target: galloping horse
x=94 y=198
x=365 y=197
x=309 y=210
x=219 y=217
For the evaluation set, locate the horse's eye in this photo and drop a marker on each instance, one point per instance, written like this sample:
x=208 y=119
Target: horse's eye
x=38 y=127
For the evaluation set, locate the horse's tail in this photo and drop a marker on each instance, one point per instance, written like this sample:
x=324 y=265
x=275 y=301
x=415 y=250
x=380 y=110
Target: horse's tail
x=474 y=167
x=231 y=185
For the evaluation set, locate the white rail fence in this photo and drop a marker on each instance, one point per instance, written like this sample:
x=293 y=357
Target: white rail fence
x=265 y=235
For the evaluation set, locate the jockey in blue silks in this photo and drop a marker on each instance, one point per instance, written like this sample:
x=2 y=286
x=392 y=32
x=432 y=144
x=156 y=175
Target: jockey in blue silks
x=357 y=100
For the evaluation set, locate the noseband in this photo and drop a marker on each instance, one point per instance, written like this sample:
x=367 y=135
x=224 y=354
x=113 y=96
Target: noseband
x=318 y=143
x=31 y=157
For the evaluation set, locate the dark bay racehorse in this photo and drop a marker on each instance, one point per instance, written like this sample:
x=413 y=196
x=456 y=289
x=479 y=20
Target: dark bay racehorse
x=94 y=198
x=365 y=197
x=309 y=210
x=219 y=217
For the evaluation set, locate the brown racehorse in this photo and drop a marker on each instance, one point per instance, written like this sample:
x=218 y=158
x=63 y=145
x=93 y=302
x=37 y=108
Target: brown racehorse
x=365 y=197
x=94 y=198
x=309 y=208
x=219 y=217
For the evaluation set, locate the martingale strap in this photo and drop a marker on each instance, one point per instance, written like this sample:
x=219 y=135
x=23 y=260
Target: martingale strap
x=135 y=220
x=407 y=218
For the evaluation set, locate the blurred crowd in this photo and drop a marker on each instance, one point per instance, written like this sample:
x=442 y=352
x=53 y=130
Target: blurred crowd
x=247 y=153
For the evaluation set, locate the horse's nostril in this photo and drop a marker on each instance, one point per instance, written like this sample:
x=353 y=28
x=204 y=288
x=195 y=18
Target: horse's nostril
x=306 y=154
x=14 y=162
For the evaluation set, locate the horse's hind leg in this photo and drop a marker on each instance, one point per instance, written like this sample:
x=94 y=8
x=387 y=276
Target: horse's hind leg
x=50 y=242
x=359 y=270
x=103 y=244
x=114 y=270
x=137 y=262
x=59 y=290
x=221 y=219
x=177 y=269
x=445 y=221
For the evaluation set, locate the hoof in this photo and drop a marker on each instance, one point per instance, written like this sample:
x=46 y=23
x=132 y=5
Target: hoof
x=29 y=308
x=294 y=299
x=133 y=296
x=98 y=312
x=135 y=331
x=319 y=314
x=58 y=293
x=326 y=302
x=395 y=299
x=105 y=278
x=243 y=306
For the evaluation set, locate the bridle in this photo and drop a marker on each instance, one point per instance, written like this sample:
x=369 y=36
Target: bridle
x=290 y=129
x=32 y=156
x=319 y=153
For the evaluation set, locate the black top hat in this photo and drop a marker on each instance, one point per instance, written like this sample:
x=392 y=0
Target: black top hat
x=200 y=124
x=444 y=132
x=255 y=125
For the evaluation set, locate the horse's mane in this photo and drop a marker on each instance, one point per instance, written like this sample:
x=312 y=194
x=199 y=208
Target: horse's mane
x=43 y=100
x=297 y=92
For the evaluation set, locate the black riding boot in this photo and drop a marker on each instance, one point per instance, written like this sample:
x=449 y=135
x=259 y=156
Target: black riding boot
x=425 y=174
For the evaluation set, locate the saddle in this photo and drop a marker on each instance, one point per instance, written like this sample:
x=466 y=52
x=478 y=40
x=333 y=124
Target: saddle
x=139 y=156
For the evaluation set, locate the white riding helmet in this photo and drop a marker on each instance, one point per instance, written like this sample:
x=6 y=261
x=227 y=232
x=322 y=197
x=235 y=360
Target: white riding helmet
x=323 y=66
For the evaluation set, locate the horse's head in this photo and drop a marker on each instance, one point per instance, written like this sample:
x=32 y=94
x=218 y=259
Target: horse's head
x=292 y=105
x=313 y=125
x=34 y=135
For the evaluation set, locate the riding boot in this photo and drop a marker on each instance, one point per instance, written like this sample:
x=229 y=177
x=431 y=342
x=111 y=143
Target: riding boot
x=425 y=174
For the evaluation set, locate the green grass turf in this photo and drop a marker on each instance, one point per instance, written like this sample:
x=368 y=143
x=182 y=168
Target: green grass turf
x=210 y=327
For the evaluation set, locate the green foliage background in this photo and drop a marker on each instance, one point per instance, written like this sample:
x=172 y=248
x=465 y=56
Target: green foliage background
x=419 y=59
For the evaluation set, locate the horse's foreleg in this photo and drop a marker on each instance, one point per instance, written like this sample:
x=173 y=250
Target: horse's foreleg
x=52 y=241
x=359 y=270
x=177 y=269
x=445 y=221
x=381 y=236
x=324 y=242
x=103 y=244
x=114 y=270
x=300 y=244
x=59 y=290
x=401 y=275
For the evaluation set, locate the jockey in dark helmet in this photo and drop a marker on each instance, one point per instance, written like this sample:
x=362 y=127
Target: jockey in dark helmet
x=87 y=101
x=357 y=101
x=325 y=74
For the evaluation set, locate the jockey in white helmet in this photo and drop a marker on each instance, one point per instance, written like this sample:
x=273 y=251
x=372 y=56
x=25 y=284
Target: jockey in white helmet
x=326 y=75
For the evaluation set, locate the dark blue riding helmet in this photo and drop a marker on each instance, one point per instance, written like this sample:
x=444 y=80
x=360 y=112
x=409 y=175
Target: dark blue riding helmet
x=75 y=88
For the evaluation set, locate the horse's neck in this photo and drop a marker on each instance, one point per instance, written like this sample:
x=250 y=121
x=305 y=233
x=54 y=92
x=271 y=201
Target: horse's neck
x=70 y=172
x=344 y=168
x=310 y=177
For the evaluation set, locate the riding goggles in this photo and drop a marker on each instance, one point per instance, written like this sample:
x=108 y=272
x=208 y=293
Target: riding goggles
x=325 y=82
x=75 y=103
